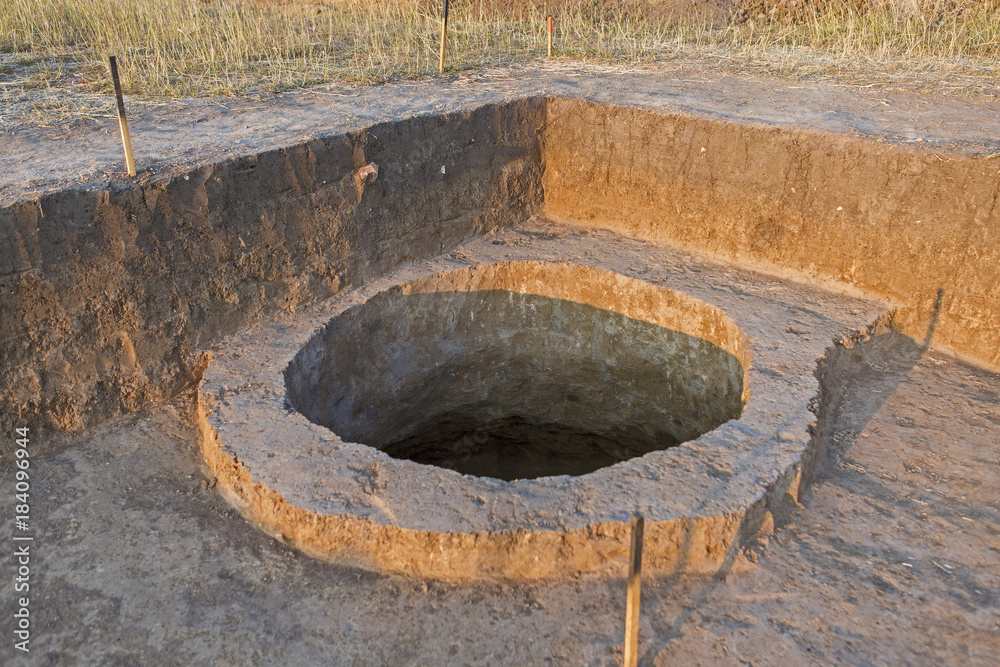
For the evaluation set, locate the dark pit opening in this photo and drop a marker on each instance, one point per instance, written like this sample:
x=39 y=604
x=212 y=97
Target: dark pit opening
x=512 y=384
x=519 y=447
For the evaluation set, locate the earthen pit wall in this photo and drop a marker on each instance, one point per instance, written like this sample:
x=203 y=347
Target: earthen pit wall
x=697 y=544
x=107 y=294
x=889 y=221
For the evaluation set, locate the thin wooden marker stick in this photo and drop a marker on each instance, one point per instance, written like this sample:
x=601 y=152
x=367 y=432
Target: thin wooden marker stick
x=122 y=121
x=550 y=35
x=634 y=592
x=444 y=35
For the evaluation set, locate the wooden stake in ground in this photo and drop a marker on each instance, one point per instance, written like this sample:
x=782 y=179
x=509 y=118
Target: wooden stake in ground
x=444 y=35
x=634 y=591
x=550 y=35
x=122 y=121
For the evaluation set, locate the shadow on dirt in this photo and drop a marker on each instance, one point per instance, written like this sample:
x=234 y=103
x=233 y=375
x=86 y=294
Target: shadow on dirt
x=856 y=377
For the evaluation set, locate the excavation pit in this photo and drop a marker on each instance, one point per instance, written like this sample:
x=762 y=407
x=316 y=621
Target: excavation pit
x=522 y=371
x=504 y=410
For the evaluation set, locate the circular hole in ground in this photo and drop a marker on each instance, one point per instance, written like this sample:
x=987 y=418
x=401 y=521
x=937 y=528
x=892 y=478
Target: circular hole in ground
x=522 y=370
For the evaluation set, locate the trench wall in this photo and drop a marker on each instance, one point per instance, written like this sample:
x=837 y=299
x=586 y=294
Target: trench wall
x=106 y=295
x=917 y=228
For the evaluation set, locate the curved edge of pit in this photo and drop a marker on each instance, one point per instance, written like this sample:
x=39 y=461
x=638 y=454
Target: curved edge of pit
x=703 y=542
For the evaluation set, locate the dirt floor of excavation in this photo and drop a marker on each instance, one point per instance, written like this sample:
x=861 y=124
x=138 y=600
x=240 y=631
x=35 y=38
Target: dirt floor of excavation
x=895 y=558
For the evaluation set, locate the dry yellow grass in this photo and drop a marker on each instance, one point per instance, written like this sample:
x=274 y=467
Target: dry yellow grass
x=185 y=48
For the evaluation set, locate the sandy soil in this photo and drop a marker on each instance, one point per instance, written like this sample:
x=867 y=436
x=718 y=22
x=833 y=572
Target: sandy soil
x=894 y=557
x=185 y=133
x=351 y=505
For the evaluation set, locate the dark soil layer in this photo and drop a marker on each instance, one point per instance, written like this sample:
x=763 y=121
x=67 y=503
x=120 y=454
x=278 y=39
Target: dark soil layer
x=106 y=295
